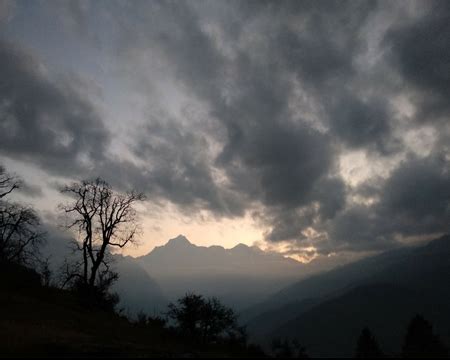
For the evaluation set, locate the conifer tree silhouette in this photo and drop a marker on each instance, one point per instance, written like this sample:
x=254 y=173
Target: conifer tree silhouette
x=420 y=341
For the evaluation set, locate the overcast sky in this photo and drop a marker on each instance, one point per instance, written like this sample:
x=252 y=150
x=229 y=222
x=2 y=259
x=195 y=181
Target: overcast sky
x=314 y=128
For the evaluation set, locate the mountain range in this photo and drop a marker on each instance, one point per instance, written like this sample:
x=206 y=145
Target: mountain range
x=240 y=276
x=326 y=312
x=278 y=297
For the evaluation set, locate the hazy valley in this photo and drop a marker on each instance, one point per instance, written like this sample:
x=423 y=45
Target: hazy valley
x=277 y=297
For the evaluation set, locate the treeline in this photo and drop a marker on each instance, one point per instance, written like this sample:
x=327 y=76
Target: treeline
x=420 y=342
x=202 y=322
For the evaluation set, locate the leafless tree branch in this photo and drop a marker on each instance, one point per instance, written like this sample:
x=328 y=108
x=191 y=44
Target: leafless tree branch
x=104 y=219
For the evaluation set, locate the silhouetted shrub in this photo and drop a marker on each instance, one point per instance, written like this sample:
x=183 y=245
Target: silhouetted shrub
x=255 y=351
x=421 y=342
x=286 y=349
x=144 y=320
x=95 y=297
x=367 y=347
x=205 y=320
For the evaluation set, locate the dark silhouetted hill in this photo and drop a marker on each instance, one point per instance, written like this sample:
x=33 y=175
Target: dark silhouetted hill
x=41 y=321
x=382 y=292
x=331 y=328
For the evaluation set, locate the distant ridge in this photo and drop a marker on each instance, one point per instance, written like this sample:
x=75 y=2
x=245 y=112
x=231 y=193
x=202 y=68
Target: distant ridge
x=242 y=274
x=179 y=241
x=182 y=241
x=383 y=292
x=216 y=257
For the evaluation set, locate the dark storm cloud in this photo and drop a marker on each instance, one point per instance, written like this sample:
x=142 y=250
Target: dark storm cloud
x=265 y=152
x=179 y=169
x=330 y=193
x=287 y=224
x=45 y=121
x=282 y=161
x=287 y=88
x=325 y=201
x=358 y=228
x=362 y=124
x=417 y=196
x=414 y=200
x=277 y=161
x=269 y=156
x=320 y=43
x=419 y=50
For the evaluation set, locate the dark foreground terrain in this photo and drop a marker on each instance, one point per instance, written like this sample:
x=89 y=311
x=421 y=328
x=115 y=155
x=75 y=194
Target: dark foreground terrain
x=45 y=321
x=322 y=316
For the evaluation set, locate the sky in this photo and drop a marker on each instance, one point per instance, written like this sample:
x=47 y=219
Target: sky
x=313 y=128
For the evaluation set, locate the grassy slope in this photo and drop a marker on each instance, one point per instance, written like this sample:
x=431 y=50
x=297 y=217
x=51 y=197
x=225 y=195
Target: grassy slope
x=41 y=321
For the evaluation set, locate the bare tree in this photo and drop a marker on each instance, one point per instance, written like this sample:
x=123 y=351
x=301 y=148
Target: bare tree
x=104 y=220
x=20 y=237
x=8 y=183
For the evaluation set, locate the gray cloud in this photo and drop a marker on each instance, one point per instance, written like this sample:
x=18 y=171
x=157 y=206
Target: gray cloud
x=317 y=43
x=284 y=88
x=362 y=124
x=417 y=196
x=180 y=169
x=414 y=201
x=358 y=228
x=30 y=190
x=325 y=201
x=269 y=156
x=419 y=51
x=45 y=120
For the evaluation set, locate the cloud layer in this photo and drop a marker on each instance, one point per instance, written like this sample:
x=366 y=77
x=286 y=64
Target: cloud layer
x=249 y=108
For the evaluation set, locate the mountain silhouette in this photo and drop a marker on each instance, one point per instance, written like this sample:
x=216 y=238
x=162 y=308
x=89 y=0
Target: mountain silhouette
x=240 y=276
x=137 y=290
x=179 y=242
x=394 y=287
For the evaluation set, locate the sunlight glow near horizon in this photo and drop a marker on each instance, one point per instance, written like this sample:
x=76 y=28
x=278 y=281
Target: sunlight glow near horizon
x=223 y=232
